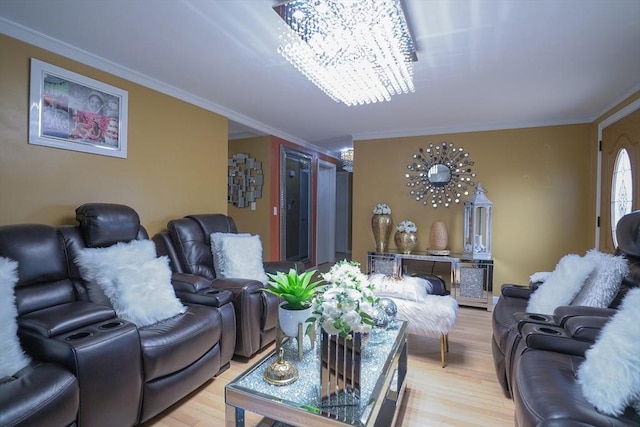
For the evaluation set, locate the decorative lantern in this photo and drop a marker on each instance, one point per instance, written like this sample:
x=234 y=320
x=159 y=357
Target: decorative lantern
x=477 y=225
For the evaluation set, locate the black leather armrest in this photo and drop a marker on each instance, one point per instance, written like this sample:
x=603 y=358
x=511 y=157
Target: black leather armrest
x=272 y=267
x=553 y=338
x=62 y=318
x=516 y=291
x=212 y=297
x=565 y=312
x=585 y=328
x=189 y=283
x=238 y=285
x=199 y=290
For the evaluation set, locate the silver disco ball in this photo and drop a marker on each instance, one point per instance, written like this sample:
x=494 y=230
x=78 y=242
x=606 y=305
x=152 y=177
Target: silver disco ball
x=389 y=307
x=380 y=318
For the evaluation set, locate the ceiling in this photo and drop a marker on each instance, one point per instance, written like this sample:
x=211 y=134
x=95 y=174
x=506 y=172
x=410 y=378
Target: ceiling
x=482 y=64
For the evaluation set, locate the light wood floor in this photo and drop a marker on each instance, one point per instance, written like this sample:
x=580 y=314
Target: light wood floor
x=464 y=393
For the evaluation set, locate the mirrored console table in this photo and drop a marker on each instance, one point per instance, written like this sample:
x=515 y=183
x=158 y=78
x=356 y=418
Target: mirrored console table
x=469 y=280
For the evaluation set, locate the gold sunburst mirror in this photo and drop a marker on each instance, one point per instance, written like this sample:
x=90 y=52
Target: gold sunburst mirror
x=440 y=174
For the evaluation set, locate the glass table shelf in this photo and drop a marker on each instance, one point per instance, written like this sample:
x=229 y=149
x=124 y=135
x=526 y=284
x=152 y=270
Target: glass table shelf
x=384 y=366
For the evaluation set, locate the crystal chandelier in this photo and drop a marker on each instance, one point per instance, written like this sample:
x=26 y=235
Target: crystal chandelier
x=357 y=51
x=346 y=156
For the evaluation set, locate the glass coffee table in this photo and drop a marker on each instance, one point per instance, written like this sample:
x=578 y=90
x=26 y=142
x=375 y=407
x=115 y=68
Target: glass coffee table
x=383 y=374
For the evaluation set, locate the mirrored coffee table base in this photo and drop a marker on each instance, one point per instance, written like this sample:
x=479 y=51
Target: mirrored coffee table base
x=384 y=369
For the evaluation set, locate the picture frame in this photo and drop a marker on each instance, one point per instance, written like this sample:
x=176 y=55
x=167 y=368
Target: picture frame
x=74 y=112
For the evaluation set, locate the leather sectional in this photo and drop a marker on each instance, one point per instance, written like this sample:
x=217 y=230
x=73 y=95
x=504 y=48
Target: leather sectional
x=537 y=356
x=90 y=367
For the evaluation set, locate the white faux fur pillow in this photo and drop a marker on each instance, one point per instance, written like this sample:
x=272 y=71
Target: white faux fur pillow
x=12 y=358
x=603 y=283
x=610 y=374
x=141 y=293
x=561 y=287
x=91 y=261
x=238 y=256
x=217 y=240
x=408 y=288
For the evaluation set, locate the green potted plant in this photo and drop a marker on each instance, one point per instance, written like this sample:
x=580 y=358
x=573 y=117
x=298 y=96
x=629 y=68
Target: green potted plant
x=297 y=290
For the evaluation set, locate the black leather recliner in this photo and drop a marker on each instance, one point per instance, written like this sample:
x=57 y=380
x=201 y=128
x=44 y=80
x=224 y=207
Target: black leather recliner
x=188 y=244
x=56 y=324
x=509 y=314
x=178 y=354
x=39 y=395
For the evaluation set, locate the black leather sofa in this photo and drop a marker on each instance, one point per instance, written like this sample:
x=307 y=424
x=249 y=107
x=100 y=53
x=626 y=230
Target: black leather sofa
x=510 y=311
x=125 y=374
x=537 y=356
x=187 y=242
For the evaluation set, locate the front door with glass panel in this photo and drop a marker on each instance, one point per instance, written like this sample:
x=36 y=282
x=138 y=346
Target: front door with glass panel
x=620 y=190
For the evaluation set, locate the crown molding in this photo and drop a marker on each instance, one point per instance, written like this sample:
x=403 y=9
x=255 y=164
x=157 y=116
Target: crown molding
x=464 y=129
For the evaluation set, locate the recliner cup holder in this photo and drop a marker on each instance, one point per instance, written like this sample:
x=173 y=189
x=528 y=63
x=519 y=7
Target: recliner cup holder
x=537 y=317
x=111 y=325
x=78 y=336
x=549 y=331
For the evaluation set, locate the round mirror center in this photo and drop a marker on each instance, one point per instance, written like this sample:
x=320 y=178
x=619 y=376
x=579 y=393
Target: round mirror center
x=439 y=175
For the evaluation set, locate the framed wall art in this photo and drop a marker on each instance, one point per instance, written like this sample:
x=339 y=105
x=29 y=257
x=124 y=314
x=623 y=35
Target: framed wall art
x=73 y=112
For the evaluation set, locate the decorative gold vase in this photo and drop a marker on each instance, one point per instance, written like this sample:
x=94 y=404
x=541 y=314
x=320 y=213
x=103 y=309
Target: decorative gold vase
x=438 y=236
x=381 y=226
x=405 y=242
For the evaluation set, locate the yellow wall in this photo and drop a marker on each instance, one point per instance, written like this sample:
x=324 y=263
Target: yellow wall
x=248 y=221
x=176 y=164
x=541 y=182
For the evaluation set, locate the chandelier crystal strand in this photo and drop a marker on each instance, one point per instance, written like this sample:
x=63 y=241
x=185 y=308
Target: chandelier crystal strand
x=358 y=52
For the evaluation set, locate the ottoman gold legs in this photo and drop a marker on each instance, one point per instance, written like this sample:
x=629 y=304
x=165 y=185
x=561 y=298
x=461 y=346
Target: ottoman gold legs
x=444 y=348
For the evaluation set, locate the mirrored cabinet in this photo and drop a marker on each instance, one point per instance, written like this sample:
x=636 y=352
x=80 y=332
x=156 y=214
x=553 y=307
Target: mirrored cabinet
x=469 y=280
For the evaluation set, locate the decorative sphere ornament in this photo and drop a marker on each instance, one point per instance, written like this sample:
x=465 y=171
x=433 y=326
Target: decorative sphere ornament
x=390 y=308
x=380 y=318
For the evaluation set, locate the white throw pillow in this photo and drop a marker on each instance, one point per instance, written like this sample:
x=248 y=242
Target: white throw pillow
x=408 y=288
x=92 y=261
x=141 y=293
x=217 y=240
x=603 y=283
x=238 y=256
x=562 y=285
x=610 y=374
x=12 y=357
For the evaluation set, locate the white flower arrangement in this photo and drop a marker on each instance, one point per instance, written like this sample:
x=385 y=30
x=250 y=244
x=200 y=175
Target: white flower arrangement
x=407 y=226
x=382 y=209
x=347 y=304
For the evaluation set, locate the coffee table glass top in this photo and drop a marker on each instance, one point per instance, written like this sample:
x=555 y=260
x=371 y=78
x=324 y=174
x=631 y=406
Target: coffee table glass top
x=378 y=355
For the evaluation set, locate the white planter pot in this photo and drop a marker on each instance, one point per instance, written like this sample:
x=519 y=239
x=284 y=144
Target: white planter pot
x=289 y=319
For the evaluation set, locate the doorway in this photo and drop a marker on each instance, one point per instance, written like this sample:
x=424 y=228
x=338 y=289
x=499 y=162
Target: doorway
x=620 y=175
x=296 y=205
x=326 y=213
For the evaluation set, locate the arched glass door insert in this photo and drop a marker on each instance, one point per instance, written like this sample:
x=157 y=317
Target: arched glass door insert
x=621 y=190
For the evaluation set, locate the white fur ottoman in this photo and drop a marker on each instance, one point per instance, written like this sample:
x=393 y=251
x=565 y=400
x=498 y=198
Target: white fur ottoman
x=426 y=315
